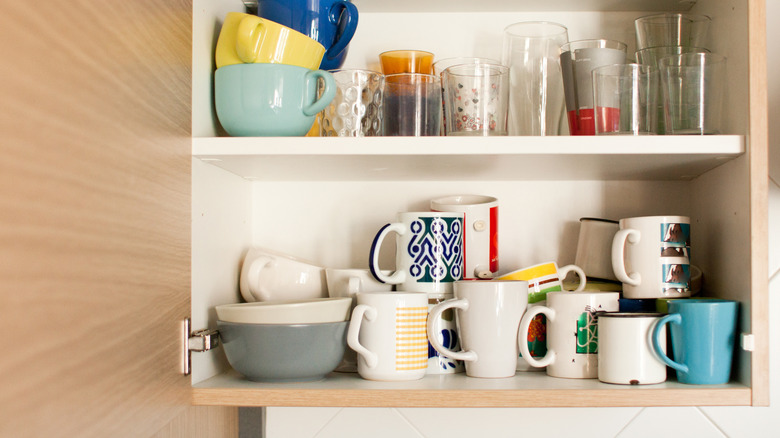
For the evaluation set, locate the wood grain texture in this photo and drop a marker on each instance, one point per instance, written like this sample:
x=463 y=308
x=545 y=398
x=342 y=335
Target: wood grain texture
x=202 y=422
x=95 y=197
x=759 y=199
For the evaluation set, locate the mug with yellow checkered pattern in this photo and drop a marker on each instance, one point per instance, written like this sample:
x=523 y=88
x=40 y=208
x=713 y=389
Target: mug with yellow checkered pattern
x=388 y=332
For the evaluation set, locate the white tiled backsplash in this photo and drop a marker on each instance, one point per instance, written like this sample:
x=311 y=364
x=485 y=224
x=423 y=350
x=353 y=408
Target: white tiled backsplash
x=688 y=422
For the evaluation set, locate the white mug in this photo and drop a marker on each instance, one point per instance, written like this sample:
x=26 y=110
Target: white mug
x=594 y=247
x=651 y=256
x=480 y=231
x=447 y=335
x=626 y=354
x=488 y=314
x=349 y=283
x=428 y=253
x=572 y=332
x=268 y=275
x=387 y=330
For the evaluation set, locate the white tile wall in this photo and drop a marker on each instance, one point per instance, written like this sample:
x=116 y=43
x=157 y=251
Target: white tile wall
x=708 y=422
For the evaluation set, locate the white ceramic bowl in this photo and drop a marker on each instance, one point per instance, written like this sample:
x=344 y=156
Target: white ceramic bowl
x=310 y=311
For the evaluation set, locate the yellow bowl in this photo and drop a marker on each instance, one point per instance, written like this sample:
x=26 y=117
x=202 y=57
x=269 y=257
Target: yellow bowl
x=246 y=38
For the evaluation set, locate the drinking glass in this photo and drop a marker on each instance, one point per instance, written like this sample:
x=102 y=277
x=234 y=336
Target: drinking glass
x=693 y=88
x=578 y=59
x=356 y=109
x=412 y=105
x=476 y=99
x=406 y=61
x=625 y=97
x=671 y=29
x=531 y=50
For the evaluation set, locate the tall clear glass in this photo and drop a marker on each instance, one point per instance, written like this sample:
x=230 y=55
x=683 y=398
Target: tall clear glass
x=532 y=50
x=671 y=29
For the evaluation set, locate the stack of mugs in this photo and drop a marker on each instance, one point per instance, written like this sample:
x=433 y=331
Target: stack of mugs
x=270 y=78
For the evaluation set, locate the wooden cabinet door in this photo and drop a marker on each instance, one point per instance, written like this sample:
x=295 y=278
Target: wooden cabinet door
x=95 y=206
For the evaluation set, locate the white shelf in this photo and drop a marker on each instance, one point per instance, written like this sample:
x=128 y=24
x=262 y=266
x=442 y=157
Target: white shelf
x=518 y=5
x=469 y=158
x=525 y=389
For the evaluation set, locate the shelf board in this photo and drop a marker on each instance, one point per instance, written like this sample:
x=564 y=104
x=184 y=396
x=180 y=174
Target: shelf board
x=526 y=389
x=520 y=5
x=468 y=158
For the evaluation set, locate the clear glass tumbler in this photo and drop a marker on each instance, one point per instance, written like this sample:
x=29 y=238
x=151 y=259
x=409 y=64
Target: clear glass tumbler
x=476 y=99
x=625 y=97
x=356 y=109
x=693 y=86
x=671 y=29
x=532 y=50
x=412 y=105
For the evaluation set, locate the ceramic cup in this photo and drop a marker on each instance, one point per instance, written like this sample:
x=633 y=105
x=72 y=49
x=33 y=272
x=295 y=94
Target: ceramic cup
x=626 y=354
x=270 y=99
x=487 y=315
x=447 y=336
x=387 y=330
x=572 y=332
x=650 y=255
x=246 y=38
x=331 y=22
x=429 y=251
x=349 y=283
x=703 y=334
x=594 y=247
x=480 y=231
x=544 y=278
x=268 y=275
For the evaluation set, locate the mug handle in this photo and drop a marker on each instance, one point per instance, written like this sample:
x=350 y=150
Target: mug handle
x=674 y=318
x=255 y=268
x=350 y=26
x=618 y=255
x=398 y=276
x=522 y=343
x=434 y=319
x=562 y=272
x=328 y=93
x=249 y=36
x=353 y=340
x=353 y=286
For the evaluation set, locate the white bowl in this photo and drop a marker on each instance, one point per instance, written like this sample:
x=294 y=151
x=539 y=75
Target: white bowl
x=310 y=311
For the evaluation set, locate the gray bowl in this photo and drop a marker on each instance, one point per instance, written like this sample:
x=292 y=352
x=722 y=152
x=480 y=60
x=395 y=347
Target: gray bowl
x=283 y=352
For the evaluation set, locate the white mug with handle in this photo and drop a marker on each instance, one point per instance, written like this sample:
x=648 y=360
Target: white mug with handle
x=488 y=314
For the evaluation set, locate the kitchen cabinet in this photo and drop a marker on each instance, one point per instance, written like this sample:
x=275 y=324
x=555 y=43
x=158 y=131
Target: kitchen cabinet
x=323 y=199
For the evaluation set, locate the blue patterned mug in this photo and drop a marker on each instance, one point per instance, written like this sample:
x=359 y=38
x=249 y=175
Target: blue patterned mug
x=429 y=252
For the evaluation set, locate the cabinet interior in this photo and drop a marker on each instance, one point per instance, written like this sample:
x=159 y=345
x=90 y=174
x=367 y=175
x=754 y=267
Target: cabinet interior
x=324 y=199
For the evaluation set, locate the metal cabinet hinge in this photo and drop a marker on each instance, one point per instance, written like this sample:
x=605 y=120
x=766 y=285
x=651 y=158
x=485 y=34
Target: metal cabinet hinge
x=747 y=341
x=197 y=341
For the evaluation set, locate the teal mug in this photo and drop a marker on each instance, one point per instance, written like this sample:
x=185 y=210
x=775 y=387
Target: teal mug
x=703 y=333
x=267 y=100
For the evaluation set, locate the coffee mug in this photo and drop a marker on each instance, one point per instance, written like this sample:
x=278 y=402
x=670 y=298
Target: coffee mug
x=429 y=251
x=331 y=22
x=594 y=247
x=270 y=99
x=651 y=256
x=246 y=38
x=268 y=275
x=480 y=231
x=447 y=336
x=544 y=278
x=487 y=314
x=703 y=333
x=387 y=330
x=572 y=332
x=626 y=354
x=349 y=283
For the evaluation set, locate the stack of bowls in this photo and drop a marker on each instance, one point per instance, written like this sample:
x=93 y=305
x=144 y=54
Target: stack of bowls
x=267 y=78
x=284 y=341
